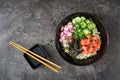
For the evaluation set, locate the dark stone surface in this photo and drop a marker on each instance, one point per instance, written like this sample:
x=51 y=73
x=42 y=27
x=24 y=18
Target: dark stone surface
x=28 y=22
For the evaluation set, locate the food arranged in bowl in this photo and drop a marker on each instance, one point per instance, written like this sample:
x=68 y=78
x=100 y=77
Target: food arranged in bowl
x=80 y=38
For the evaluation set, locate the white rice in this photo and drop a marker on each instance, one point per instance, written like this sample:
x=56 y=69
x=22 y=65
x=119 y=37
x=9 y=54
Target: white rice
x=85 y=56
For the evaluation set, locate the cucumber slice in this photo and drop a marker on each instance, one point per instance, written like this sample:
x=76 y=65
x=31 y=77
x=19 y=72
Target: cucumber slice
x=78 y=19
x=83 y=24
x=83 y=18
x=95 y=31
x=88 y=21
x=86 y=31
x=73 y=21
x=77 y=26
x=90 y=26
x=94 y=26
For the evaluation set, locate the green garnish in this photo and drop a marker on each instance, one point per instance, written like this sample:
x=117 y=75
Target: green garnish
x=50 y=42
x=52 y=21
x=83 y=26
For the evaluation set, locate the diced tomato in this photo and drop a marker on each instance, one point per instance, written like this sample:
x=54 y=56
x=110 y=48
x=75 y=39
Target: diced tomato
x=98 y=46
x=88 y=36
x=91 y=44
x=95 y=37
x=88 y=42
x=84 y=48
x=85 y=42
x=95 y=45
x=98 y=42
x=91 y=49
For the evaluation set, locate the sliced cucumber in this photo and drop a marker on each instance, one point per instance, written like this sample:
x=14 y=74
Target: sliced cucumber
x=94 y=26
x=73 y=21
x=83 y=24
x=86 y=31
x=90 y=26
x=88 y=21
x=83 y=18
x=78 y=19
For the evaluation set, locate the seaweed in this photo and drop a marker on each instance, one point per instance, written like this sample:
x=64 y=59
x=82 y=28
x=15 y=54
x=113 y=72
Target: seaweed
x=74 y=48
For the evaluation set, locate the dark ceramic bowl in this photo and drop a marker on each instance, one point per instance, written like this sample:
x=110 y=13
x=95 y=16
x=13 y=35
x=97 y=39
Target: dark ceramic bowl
x=103 y=34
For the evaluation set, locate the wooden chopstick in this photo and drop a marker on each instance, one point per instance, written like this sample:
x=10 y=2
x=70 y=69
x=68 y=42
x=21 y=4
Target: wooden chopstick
x=34 y=57
x=37 y=55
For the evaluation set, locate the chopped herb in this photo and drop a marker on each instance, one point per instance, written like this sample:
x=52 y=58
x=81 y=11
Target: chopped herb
x=87 y=7
x=52 y=21
x=74 y=8
x=50 y=43
x=51 y=40
x=42 y=41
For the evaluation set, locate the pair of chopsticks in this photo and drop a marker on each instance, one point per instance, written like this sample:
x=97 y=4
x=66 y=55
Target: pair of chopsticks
x=36 y=57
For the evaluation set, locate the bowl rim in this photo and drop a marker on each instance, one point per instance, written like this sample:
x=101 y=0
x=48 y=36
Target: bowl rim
x=103 y=26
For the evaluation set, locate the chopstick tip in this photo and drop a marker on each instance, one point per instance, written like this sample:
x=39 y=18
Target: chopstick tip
x=57 y=72
x=10 y=42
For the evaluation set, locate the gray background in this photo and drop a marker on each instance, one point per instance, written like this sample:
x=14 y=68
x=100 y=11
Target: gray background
x=28 y=22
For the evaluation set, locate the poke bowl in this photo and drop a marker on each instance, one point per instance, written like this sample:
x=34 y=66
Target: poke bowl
x=81 y=38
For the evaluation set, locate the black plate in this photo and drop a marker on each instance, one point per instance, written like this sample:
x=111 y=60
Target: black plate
x=101 y=29
x=38 y=49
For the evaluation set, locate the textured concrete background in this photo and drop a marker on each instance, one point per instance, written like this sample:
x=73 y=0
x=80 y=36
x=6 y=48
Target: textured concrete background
x=28 y=22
